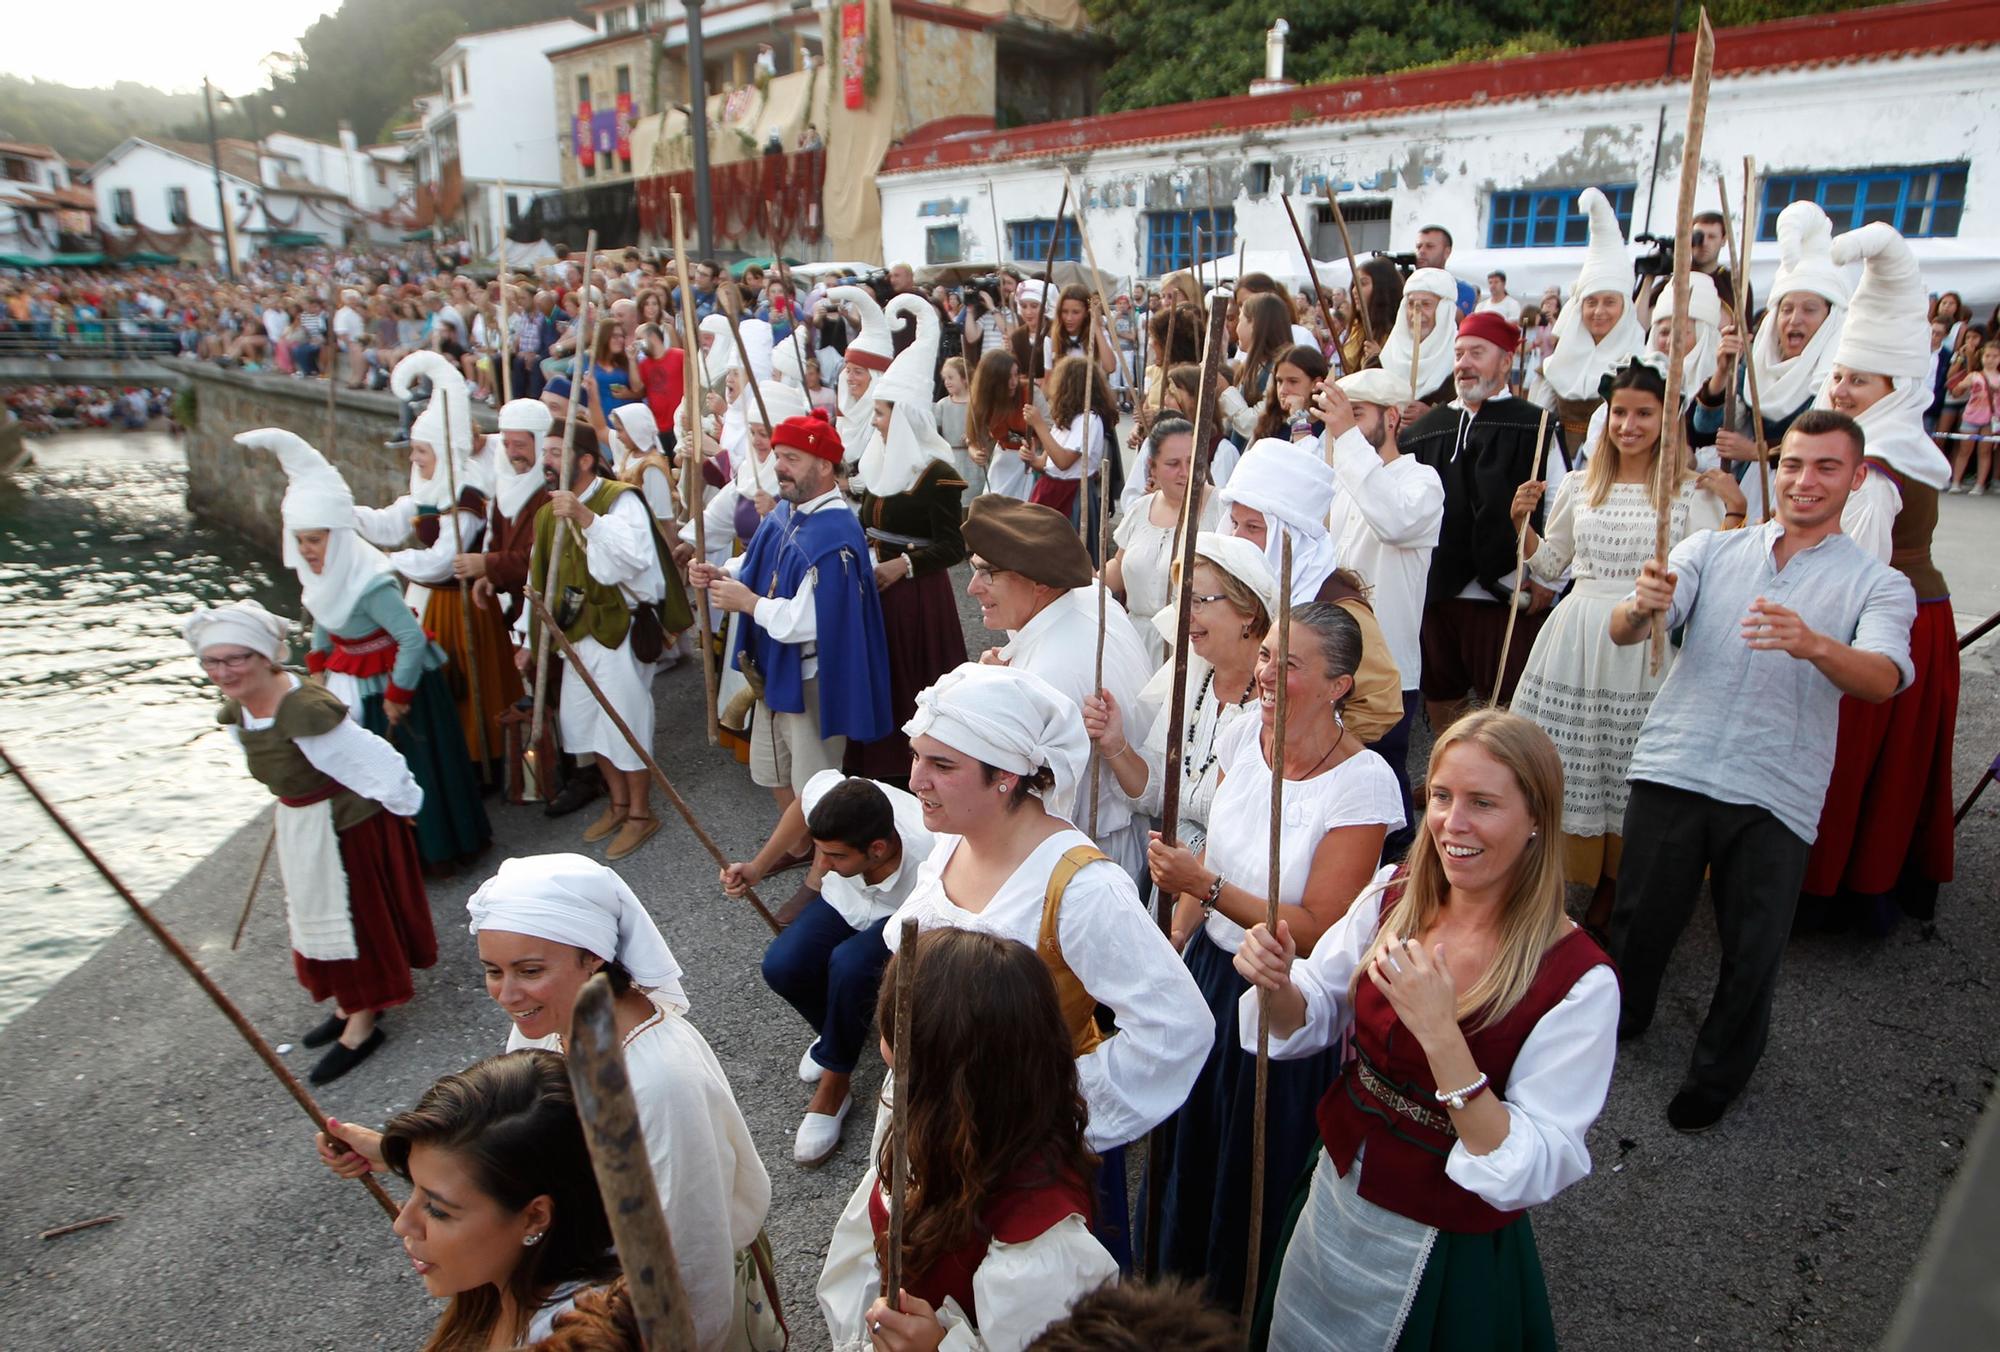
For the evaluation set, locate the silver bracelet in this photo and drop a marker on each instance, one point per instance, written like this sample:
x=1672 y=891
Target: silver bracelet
x=1208 y=902
x=1456 y=1098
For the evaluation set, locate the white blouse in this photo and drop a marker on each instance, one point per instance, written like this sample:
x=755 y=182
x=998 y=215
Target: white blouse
x=1554 y=1093
x=1085 y=433
x=356 y=759
x=428 y=565
x=1209 y=714
x=1134 y=1079
x=1360 y=791
x=1019 y=1289
x=1148 y=559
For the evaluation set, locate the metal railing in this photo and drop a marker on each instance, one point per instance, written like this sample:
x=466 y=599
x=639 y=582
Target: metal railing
x=88 y=340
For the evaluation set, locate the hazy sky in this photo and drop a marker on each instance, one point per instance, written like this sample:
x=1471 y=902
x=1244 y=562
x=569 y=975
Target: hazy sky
x=170 y=46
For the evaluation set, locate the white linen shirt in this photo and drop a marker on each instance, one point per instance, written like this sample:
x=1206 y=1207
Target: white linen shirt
x=1385 y=523
x=860 y=902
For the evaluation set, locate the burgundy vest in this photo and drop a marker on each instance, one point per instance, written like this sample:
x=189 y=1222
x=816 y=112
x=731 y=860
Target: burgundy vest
x=1013 y=1216
x=1405 y=1168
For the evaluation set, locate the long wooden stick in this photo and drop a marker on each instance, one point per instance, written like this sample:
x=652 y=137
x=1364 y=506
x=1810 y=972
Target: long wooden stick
x=899 y=1115
x=1520 y=560
x=256 y=877
x=1103 y=601
x=469 y=632
x=332 y=367
x=506 y=335
x=1666 y=469
x=1416 y=347
x=594 y=1056
x=1743 y=304
x=1312 y=272
x=639 y=749
x=1170 y=782
x=732 y=301
x=792 y=299
x=693 y=456
x=1048 y=302
x=1263 y=1085
x=582 y=369
x=1100 y=317
x=1353 y=273
x=194 y=969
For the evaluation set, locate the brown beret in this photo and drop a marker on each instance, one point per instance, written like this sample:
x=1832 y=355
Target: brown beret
x=1027 y=538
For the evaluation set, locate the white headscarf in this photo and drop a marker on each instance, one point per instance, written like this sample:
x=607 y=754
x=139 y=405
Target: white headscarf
x=1294 y=490
x=893 y=464
x=317 y=498
x=1010 y=719
x=1579 y=363
x=1805 y=263
x=638 y=422
x=750 y=474
x=1434 y=356
x=855 y=416
x=448 y=392
x=242 y=624
x=1699 y=362
x=569 y=899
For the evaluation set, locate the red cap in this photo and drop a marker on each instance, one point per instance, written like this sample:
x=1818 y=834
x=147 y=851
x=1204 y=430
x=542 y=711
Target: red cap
x=1492 y=327
x=814 y=434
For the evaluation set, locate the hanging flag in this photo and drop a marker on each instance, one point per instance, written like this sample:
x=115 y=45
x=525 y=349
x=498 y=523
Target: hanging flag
x=625 y=126
x=854 y=50
x=586 y=150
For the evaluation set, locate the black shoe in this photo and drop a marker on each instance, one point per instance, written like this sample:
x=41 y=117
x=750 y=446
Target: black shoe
x=582 y=788
x=1695 y=1110
x=341 y=1058
x=323 y=1033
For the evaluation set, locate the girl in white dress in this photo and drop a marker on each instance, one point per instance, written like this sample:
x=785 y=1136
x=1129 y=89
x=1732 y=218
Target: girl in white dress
x=1588 y=694
x=1149 y=531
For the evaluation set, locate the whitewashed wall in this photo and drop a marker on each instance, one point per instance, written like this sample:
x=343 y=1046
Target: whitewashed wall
x=1442 y=166
x=149 y=172
x=507 y=122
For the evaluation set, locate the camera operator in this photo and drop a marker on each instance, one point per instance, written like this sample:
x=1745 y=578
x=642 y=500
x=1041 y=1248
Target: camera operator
x=1705 y=244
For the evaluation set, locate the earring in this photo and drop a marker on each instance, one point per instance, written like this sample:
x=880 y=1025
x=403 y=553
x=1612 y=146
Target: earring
x=1338 y=721
x=1002 y=788
x=529 y=1241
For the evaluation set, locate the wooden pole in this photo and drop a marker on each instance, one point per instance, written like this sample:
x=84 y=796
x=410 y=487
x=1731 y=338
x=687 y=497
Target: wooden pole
x=469 y=633
x=1666 y=468
x=556 y=535
x=1520 y=561
x=899 y=1115
x=1254 y=1252
x=1743 y=304
x=693 y=456
x=595 y=1059
x=732 y=301
x=194 y=969
x=1312 y=274
x=1170 y=782
x=1100 y=312
x=256 y=877
x=506 y=357
x=792 y=297
x=1103 y=601
x=333 y=366
x=1048 y=304
x=1416 y=346
x=1353 y=273
x=640 y=750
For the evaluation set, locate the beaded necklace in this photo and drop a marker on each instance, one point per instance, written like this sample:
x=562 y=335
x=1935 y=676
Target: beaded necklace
x=1214 y=728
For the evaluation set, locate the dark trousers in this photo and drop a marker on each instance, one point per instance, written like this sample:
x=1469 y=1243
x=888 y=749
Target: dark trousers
x=1393 y=746
x=1755 y=865
x=829 y=972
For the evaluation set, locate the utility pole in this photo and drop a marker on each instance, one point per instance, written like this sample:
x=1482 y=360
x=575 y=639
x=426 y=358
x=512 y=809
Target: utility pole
x=221 y=200
x=704 y=208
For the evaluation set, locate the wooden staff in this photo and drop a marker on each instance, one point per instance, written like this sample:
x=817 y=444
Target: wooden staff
x=556 y=535
x=1048 y=266
x=1520 y=561
x=1103 y=600
x=505 y=358
x=693 y=456
x=256 y=877
x=732 y=301
x=1312 y=273
x=1170 y=783
x=449 y=454
x=1416 y=346
x=1353 y=273
x=899 y=1115
x=1100 y=312
x=792 y=297
x=1666 y=469
x=333 y=367
x=1739 y=271
x=639 y=749
x=1208 y=210
x=194 y=969
x=1250 y=1259
x=595 y=1059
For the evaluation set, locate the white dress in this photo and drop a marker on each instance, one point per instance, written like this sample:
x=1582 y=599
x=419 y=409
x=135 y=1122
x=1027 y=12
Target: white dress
x=1148 y=564
x=619 y=550
x=1135 y=1078
x=1209 y=713
x=1586 y=692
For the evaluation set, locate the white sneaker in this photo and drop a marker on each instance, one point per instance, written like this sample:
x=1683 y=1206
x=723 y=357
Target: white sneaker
x=809 y=1069
x=819 y=1135
x=1979 y=492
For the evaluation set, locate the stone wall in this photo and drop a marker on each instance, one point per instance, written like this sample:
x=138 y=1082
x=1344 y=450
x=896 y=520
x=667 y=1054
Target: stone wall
x=241 y=489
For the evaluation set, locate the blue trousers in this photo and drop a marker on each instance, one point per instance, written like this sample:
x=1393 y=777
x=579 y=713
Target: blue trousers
x=829 y=972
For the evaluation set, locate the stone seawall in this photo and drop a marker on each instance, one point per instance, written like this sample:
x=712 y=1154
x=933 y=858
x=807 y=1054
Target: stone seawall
x=241 y=489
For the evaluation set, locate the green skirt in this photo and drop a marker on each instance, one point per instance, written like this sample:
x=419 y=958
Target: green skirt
x=451 y=825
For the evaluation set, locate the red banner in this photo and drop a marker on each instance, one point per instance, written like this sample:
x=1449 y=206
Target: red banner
x=586 y=153
x=854 y=50
x=624 y=126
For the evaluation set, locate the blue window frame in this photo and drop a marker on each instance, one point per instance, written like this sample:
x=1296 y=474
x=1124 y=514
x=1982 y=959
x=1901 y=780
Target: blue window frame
x=1028 y=241
x=1922 y=202
x=1547 y=218
x=1170 y=238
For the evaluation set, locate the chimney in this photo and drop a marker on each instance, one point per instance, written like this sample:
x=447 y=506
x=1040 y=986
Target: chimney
x=1274 y=81
x=347 y=141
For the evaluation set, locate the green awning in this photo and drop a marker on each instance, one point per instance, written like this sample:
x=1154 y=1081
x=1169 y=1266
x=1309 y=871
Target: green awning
x=416 y=235
x=13 y=260
x=75 y=260
x=148 y=258
x=737 y=269
x=293 y=239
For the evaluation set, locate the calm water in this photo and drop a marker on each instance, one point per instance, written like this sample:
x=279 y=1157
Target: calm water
x=99 y=696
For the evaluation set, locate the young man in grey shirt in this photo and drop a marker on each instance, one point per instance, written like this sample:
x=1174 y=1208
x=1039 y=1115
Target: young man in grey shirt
x=1731 y=767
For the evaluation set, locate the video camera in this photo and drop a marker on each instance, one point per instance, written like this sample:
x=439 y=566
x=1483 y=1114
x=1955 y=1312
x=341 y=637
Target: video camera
x=1406 y=263
x=1657 y=262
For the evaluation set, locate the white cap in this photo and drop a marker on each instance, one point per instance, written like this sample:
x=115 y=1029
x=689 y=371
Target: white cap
x=1376 y=385
x=1009 y=718
x=574 y=900
x=1888 y=326
x=1805 y=256
x=1242 y=561
x=243 y=624
x=781 y=401
x=1032 y=291
x=1432 y=281
x=316 y=497
x=1607 y=267
x=788 y=361
x=1704 y=304
x=526 y=415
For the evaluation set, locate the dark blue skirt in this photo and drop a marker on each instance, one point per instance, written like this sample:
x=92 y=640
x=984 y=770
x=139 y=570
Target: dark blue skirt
x=1205 y=1207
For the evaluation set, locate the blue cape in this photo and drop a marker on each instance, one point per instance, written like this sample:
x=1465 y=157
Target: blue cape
x=853 y=649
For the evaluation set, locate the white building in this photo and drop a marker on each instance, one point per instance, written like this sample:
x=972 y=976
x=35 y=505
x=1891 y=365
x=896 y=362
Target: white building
x=163 y=194
x=41 y=207
x=1890 y=113
x=495 y=122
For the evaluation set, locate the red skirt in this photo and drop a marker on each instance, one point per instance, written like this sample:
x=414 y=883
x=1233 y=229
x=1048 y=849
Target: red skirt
x=1059 y=494
x=926 y=640
x=392 y=920
x=1888 y=807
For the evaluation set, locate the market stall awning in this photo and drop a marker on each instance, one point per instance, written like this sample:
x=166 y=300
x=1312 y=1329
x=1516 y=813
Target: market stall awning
x=293 y=239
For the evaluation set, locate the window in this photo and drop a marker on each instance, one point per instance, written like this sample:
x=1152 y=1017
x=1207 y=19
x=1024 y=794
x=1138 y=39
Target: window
x=1258 y=182
x=177 y=205
x=618 y=20
x=465 y=79
x=941 y=244
x=122 y=210
x=1028 y=241
x=16 y=168
x=625 y=79
x=583 y=89
x=1922 y=203
x=1367 y=228
x=1170 y=238
x=1550 y=218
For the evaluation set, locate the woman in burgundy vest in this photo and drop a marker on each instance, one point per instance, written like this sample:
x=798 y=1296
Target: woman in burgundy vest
x=996 y=1232
x=1483 y=1027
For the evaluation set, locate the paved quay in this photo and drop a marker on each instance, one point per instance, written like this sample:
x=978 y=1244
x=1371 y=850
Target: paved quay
x=1794 y=1224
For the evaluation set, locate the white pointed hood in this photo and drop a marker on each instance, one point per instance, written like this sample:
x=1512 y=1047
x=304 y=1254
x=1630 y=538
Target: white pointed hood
x=873 y=350
x=448 y=391
x=893 y=464
x=1578 y=365
x=1805 y=263
x=788 y=361
x=317 y=498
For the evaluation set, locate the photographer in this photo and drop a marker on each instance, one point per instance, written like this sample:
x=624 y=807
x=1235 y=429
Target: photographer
x=1705 y=242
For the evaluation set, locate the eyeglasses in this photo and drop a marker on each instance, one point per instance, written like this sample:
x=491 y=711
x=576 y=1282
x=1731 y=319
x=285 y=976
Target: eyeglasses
x=1207 y=600
x=986 y=572
x=234 y=662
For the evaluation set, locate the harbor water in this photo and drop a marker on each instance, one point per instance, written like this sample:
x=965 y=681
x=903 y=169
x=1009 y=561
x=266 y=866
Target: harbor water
x=100 y=699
